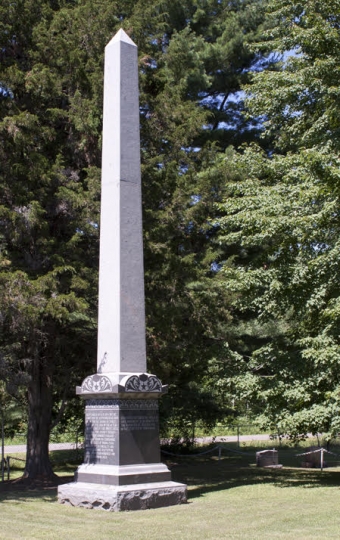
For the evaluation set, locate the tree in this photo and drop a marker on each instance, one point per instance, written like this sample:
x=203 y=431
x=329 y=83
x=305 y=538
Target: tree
x=50 y=106
x=49 y=212
x=284 y=206
x=197 y=62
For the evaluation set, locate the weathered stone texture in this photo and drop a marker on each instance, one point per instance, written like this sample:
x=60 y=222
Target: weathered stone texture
x=123 y=498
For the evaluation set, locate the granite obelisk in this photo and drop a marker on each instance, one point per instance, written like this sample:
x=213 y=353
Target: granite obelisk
x=121 y=328
x=122 y=468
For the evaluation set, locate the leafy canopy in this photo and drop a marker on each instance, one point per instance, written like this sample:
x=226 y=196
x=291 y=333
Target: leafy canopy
x=280 y=218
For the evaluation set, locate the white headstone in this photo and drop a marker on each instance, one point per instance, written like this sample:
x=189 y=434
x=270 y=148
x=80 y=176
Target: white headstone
x=121 y=324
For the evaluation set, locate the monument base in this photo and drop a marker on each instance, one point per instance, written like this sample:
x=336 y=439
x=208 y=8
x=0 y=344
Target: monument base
x=122 y=475
x=121 y=498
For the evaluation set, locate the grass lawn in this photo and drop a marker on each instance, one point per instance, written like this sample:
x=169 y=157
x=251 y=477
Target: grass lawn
x=231 y=498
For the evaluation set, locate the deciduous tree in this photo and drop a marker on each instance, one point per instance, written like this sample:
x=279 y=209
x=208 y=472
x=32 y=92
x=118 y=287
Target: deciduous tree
x=284 y=207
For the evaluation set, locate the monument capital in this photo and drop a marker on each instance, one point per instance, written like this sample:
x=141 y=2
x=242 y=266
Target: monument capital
x=123 y=385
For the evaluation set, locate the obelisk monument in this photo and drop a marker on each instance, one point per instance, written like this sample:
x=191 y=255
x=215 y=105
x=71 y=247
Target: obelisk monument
x=122 y=468
x=121 y=328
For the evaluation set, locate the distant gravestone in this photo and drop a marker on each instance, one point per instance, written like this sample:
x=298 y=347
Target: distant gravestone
x=122 y=468
x=313 y=458
x=267 y=458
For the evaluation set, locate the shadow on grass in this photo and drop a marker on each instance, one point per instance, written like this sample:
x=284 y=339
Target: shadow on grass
x=209 y=475
x=17 y=490
x=9 y=492
x=284 y=478
x=203 y=475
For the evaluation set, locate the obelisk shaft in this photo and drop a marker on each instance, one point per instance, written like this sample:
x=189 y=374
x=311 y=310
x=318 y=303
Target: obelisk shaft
x=121 y=324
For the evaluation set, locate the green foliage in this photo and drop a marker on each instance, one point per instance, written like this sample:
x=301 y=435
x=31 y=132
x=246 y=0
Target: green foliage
x=188 y=72
x=49 y=154
x=193 y=57
x=280 y=218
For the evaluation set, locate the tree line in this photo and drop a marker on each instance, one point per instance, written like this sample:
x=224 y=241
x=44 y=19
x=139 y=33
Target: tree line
x=240 y=158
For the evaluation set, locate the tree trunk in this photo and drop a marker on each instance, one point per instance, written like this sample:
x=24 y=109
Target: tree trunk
x=38 y=469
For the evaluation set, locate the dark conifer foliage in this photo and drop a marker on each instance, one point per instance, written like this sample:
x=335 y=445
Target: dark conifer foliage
x=193 y=56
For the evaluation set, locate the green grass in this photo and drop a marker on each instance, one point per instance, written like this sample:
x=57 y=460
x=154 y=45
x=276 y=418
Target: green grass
x=19 y=438
x=231 y=498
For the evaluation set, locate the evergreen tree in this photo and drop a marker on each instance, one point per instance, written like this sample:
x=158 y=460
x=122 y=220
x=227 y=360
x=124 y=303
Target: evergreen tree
x=194 y=55
x=49 y=155
x=189 y=72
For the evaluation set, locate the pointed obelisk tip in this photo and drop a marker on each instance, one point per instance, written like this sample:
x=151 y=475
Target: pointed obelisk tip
x=121 y=36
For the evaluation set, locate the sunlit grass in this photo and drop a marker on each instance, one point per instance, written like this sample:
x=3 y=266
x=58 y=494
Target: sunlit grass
x=230 y=498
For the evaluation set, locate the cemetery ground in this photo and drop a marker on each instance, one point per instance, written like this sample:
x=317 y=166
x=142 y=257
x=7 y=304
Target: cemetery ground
x=230 y=498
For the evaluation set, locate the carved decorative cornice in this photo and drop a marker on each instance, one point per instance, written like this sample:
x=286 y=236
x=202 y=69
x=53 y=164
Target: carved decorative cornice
x=95 y=384
x=143 y=383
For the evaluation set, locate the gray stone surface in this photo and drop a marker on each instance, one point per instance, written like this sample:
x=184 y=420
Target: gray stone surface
x=114 y=499
x=122 y=475
x=137 y=385
x=267 y=458
x=121 y=431
x=121 y=317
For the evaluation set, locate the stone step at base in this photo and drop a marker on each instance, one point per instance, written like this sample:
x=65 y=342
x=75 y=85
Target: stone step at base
x=122 y=498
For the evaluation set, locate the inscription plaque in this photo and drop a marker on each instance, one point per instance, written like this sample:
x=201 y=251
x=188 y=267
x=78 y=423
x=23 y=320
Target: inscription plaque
x=101 y=435
x=138 y=423
x=121 y=431
x=139 y=436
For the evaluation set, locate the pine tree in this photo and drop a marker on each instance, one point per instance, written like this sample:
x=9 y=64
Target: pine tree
x=194 y=55
x=49 y=157
x=189 y=72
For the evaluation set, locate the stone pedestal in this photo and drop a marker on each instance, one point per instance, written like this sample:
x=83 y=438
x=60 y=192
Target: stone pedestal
x=122 y=468
x=121 y=431
x=116 y=499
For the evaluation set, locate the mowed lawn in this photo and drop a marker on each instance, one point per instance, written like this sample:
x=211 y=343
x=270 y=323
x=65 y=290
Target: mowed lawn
x=231 y=498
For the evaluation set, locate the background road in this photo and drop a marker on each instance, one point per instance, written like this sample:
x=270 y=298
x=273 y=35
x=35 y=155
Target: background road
x=21 y=448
